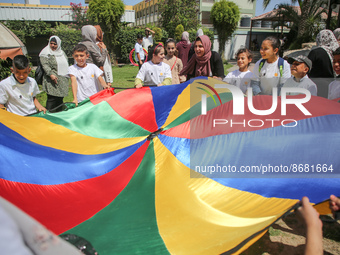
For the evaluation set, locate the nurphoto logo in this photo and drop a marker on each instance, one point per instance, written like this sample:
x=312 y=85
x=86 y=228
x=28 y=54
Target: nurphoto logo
x=239 y=105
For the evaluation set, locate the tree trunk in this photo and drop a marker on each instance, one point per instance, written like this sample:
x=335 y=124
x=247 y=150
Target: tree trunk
x=221 y=48
x=303 y=21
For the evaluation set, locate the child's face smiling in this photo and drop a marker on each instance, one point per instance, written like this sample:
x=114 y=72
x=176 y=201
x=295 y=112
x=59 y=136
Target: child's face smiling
x=199 y=49
x=336 y=64
x=21 y=75
x=268 y=52
x=298 y=69
x=243 y=61
x=80 y=57
x=156 y=59
x=170 y=49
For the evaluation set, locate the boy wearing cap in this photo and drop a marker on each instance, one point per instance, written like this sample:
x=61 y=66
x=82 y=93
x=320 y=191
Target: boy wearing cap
x=299 y=67
x=334 y=87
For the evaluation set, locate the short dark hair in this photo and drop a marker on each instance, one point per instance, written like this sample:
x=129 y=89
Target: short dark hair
x=336 y=52
x=139 y=36
x=80 y=47
x=245 y=50
x=20 y=62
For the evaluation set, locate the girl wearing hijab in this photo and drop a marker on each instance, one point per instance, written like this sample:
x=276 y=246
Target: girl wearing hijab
x=97 y=56
x=204 y=62
x=322 y=73
x=183 y=48
x=192 y=50
x=55 y=81
x=107 y=67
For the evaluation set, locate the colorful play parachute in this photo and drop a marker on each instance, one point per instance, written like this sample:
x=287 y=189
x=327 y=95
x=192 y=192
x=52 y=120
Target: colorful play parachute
x=144 y=172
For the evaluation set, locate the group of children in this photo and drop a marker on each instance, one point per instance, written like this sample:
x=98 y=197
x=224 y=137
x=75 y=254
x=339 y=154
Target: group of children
x=18 y=92
x=271 y=71
x=274 y=72
x=161 y=69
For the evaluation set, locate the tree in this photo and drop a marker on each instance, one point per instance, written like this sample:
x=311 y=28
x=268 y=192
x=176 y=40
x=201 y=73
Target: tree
x=307 y=8
x=107 y=14
x=306 y=25
x=225 y=16
x=175 y=12
x=79 y=15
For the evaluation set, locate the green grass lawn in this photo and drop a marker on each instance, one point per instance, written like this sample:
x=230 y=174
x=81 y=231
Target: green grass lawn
x=123 y=76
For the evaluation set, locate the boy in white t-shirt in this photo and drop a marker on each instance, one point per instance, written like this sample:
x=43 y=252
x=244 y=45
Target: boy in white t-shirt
x=334 y=86
x=18 y=92
x=241 y=77
x=84 y=76
x=139 y=52
x=299 y=67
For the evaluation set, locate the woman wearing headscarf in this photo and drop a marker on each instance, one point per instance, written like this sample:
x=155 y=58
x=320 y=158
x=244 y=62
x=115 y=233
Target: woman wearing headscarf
x=183 y=48
x=192 y=51
x=204 y=62
x=336 y=33
x=96 y=56
x=55 y=81
x=322 y=55
x=107 y=67
x=322 y=61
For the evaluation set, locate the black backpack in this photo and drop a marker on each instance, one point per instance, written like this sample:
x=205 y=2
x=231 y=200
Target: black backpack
x=39 y=73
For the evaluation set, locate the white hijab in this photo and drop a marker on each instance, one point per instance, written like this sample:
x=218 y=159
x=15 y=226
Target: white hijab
x=59 y=55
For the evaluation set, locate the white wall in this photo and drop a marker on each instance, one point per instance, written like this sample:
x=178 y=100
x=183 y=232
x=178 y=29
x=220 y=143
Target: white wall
x=236 y=42
x=32 y=1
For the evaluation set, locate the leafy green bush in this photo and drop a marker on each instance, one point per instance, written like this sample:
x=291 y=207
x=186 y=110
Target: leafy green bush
x=5 y=68
x=178 y=32
x=126 y=39
x=28 y=28
x=158 y=34
x=165 y=35
x=69 y=37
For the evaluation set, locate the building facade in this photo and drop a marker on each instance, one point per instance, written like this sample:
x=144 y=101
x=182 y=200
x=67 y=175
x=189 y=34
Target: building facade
x=146 y=12
x=48 y=13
